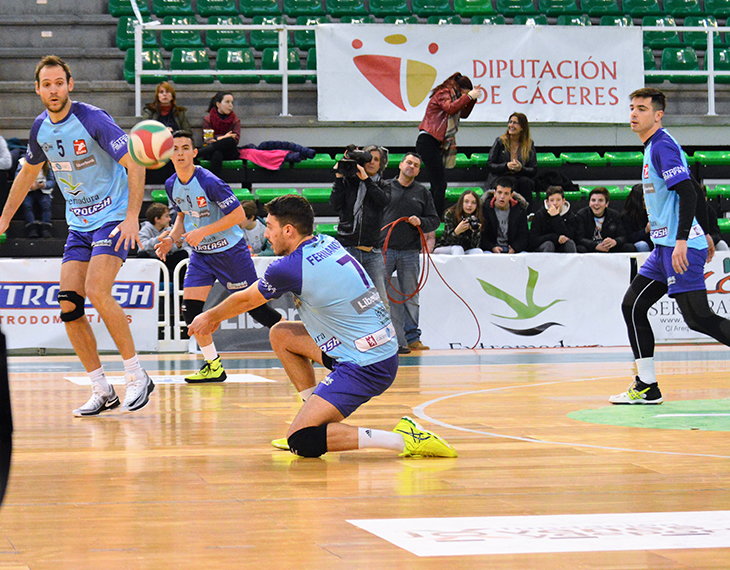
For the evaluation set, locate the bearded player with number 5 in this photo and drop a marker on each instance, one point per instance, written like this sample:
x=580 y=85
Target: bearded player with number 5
x=103 y=188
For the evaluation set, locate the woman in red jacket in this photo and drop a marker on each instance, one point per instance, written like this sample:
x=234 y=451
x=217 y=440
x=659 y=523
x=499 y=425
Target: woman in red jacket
x=450 y=101
x=221 y=132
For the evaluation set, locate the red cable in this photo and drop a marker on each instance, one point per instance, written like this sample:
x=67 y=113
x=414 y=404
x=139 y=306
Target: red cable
x=425 y=268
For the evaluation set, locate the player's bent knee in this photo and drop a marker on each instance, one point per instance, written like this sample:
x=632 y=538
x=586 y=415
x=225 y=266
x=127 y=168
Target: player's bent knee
x=191 y=308
x=78 y=302
x=309 y=441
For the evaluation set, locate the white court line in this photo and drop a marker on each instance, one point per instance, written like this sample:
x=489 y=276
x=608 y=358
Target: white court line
x=175 y=379
x=692 y=416
x=419 y=411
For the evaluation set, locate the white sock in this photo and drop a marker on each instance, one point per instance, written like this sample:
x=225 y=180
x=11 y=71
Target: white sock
x=132 y=366
x=367 y=437
x=209 y=352
x=645 y=370
x=304 y=394
x=98 y=377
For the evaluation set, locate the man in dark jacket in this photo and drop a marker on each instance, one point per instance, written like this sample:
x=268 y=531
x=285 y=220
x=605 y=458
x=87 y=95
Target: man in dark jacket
x=554 y=226
x=601 y=229
x=505 y=219
x=359 y=201
x=408 y=199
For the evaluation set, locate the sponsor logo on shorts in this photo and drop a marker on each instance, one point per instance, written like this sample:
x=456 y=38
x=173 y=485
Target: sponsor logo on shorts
x=671 y=280
x=202 y=202
x=85 y=162
x=235 y=286
x=61 y=167
x=93 y=209
x=227 y=202
x=327 y=380
x=212 y=246
x=106 y=242
x=80 y=147
x=120 y=143
x=367 y=301
x=659 y=233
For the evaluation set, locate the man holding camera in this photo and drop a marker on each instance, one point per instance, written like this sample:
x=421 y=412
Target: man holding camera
x=359 y=199
x=411 y=200
x=505 y=219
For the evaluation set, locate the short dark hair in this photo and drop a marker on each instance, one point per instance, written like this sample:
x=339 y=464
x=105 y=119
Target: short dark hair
x=554 y=190
x=602 y=190
x=155 y=210
x=250 y=208
x=505 y=182
x=182 y=134
x=412 y=153
x=658 y=99
x=294 y=210
x=52 y=61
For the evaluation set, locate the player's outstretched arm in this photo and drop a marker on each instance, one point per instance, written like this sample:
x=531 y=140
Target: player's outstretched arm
x=241 y=302
x=231 y=219
x=18 y=191
x=130 y=226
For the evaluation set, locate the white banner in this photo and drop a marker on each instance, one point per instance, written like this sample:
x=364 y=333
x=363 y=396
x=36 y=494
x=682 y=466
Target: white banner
x=575 y=74
x=30 y=313
x=526 y=301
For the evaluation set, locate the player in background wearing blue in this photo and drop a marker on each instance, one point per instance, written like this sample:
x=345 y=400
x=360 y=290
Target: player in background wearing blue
x=678 y=218
x=345 y=327
x=208 y=215
x=103 y=188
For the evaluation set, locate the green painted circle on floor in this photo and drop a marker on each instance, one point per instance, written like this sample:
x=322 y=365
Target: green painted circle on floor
x=709 y=415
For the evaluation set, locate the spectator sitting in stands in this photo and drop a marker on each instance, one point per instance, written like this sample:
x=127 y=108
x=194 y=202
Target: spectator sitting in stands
x=714 y=227
x=513 y=154
x=158 y=220
x=600 y=228
x=555 y=226
x=463 y=224
x=635 y=220
x=221 y=132
x=165 y=109
x=6 y=163
x=39 y=197
x=253 y=231
x=505 y=227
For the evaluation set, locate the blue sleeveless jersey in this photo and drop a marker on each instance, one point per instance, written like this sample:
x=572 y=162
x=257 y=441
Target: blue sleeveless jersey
x=664 y=166
x=84 y=149
x=205 y=199
x=336 y=300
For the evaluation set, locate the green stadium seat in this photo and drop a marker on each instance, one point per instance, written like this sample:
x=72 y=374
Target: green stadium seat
x=119 y=8
x=236 y=59
x=698 y=40
x=317 y=195
x=172 y=39
x=640 y=8
x=712 y=157
x=383 y=8
x=463 y=161
x=722 y=63
x=252 y=8
x=613 y=20
x=723 y=224
x=208 y=8
x=619 y=194
x=151 y=61
x=548 y=160
x=496 y=20
x=558 y=7
x=612 y=190
x=467 y=8
x=601 y=7
x=684 y=59
x=312 y=64
x=369 y=19
x=217 y=39
x=409 y=19
x=682 y=7
x=265 y=195
x=444 y=20
x=270 y=61
x=394 y=158
x=573 y=195
x=568 y=20
x=587 y=158
x=339 y=8
x=226 y=165
x=530 y=20
x=479 y=159
x=440 y=231
x=719 y=191
x=718 y=8
x=514 y=7
x=321 y=161
x=160 y=196
x=295 y=8
x=632 y=158
x=453 y=192
x=125 y=34
x=326 y=229
x=650 y=65
x=305 y=39
x=261 y=39
x=164 y=8
x=187 y=59
x=243 y=194
x=658 y=40
x=426 y=8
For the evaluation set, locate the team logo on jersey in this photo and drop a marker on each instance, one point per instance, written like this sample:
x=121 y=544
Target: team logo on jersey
x=71 y=188
x=120 y=143
x=646 y=171
x=85 y=162
x=46 y=147
x=202 y=202
x=80 y=147
x=61 y=167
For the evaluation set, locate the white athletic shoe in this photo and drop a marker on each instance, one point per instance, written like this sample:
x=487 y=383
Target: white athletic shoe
x=138 y=392
x=99 y=402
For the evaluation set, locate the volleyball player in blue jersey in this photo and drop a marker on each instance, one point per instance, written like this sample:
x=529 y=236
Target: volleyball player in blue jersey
x=103 y=188
x=678 y=218
x=345 y=327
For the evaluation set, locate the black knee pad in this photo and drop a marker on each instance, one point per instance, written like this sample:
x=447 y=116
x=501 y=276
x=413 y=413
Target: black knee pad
x=265 y=315
x=77 y=300
x=191 y=308
x=309 y=441
x=327 y=361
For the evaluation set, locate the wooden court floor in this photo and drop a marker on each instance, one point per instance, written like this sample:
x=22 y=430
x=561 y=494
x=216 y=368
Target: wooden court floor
x=192 y=482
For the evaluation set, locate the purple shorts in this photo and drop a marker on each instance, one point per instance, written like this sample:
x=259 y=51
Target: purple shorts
x=81 y=246
x=233 y=268
x=658 y=267
x=349 y=386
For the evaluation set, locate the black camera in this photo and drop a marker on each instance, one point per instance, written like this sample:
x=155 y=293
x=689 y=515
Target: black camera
x=473 y=223
x=347 y=166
